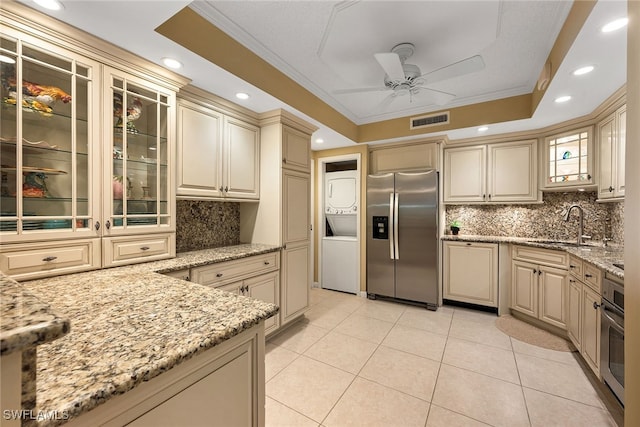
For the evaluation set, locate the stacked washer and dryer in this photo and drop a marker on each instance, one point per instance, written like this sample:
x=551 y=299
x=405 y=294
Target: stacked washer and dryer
x=340 y=263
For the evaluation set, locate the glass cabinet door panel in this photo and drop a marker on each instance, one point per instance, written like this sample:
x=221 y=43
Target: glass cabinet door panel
x=140 y=137
x=568 y=160
x=45 y=138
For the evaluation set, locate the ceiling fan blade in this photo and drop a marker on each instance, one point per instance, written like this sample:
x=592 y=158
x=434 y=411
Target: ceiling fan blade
x=360 y=90
x=390 y=63
x=382 y=107
x=460 y=68
x=437 y=96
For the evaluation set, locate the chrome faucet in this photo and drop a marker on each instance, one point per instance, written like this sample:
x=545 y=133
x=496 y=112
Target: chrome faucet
x=581 y=235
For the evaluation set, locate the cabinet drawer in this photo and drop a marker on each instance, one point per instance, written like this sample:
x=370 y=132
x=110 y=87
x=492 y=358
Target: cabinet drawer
x=576 y=266
x=127 y=250
x=548 y=257
x=593 y=277
x=223 y=272
x=29 y=261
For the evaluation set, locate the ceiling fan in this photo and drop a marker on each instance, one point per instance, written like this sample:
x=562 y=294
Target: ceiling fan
x=407 y=79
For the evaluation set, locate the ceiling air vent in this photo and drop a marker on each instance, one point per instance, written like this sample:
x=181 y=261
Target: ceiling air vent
x=431 y=120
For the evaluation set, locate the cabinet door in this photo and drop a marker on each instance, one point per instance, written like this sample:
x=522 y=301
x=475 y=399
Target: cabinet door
x=199 y=151
x=606 y=141
x=569 y=159
x=296 y=149
x=50 y=147
x=465 y=174
x=574 y=312
x=621 y=142
x=591 y=328
x=235 y=288
x=139 y=121
x=471 y=273
x=295 y=281
x=512 y=172
x=552 y=283
x=266 y=288
x=524 y=288
x=296 y=206
x=241 y=169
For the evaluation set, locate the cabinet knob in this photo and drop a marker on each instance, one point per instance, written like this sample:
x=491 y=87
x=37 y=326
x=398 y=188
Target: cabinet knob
x=219 y=275
x=267 y=263
x=489 y=196
x=107 y=224
x=97 y=225
x=610 y=189
x=588 y=275
x=572 y=266
x=539 y=272
x=145 y=248
x=226 y=189
x=284 y=160
x=468 y=244
x=596 y=305
x=49 y=258
x=535 y=271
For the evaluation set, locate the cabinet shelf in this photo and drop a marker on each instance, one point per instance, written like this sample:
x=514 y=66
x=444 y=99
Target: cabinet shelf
x=35 y=149
x=31 y=115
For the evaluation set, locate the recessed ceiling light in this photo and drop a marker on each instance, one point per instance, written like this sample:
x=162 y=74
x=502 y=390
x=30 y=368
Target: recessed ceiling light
x=583 y=70
x=483 y=128
x=7 y=59
x=49 y=4
x=172 y=63
x=562 y=99
x=319 y=141
x=242 y=95
x=615 y=25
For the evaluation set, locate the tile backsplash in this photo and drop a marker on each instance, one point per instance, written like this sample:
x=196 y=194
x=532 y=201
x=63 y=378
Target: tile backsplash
x=542 y=220
x=205 y=224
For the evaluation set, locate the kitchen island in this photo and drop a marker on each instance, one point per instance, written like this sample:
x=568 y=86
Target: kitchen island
x=130 y=324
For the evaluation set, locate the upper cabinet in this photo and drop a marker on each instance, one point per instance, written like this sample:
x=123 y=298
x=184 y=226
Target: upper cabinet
x=87 y=151
x=569 y=160
x=611 y=140
x=491 y=173
x=218 y=150
x=296 y=150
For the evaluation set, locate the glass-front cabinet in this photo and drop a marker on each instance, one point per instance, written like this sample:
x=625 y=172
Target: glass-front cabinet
x=49 y=142
x=569 y=159
x=137 y=194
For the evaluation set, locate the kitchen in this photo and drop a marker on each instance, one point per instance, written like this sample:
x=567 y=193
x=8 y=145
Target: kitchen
x=296 y=175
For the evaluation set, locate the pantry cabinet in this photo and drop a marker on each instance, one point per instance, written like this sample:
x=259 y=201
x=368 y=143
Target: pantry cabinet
x=491 y=173
x=218 y=151
x=539 y=284
x=87 y=151
x=612 y=141
x=471 y=272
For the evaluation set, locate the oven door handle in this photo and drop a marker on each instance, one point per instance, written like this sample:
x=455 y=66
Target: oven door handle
x=614 y=324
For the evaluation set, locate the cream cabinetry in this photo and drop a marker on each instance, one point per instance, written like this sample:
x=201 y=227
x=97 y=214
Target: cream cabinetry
x=226 y=381
x=539 y=284
x=410 y=157
x=256 y=276
x=583 y=306
x=284 y=218
x=491 y=173
x=218 y=149
x=88 y=154
x=569 y=160
x=611 y=165
x=471 y=272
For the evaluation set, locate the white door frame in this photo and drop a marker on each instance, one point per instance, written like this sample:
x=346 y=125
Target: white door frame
x=322 y=161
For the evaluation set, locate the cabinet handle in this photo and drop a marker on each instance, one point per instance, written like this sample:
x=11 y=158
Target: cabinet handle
x=489 y=197
x=572 y=266
x=588 y=275
x=220 y=189
x=588 y=176
x=97 y=225
x=108 y=224
x=484 y=197
x=246 y=288
x=284 y=160
x=596 y=305
x=539 y=272
x=468 y=244
x=49 y=258
x=535 y=271
x=219 y=275
x=226 y=189
x=267 y=263
x=610 y=189
x=145 y=248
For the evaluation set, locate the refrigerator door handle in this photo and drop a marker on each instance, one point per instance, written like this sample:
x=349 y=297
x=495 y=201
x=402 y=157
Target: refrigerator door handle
x=391 y=219
x=395 y=225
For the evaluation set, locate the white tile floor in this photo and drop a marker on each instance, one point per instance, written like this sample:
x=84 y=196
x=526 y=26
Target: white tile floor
x=357 y=362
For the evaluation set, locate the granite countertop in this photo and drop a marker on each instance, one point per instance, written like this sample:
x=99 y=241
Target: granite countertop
x=130 y=324
x=593 y=253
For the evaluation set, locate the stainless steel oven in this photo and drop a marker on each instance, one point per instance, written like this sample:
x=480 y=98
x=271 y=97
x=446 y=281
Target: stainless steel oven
x=612 y=337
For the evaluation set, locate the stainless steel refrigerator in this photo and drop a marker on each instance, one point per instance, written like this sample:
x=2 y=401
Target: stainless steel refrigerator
x=402 y=236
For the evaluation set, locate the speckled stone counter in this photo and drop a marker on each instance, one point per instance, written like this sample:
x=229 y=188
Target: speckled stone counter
x=596 y=254
x=130 y=324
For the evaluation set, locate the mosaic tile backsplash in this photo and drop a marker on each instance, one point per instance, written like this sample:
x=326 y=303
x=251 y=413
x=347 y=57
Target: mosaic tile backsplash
x=205 y=224
x=542 y=220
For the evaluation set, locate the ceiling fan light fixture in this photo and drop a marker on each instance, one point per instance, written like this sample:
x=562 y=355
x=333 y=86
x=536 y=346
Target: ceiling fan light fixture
x=562 y=99
x=615 y=25
x=583 y=70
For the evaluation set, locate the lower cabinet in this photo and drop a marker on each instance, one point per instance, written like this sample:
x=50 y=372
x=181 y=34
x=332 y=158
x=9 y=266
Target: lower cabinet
x=256 y=277
x=574 y=313
x=539 y=284
x=295 y=281
x=471 y=273
x=591 y=328
x=223 y=386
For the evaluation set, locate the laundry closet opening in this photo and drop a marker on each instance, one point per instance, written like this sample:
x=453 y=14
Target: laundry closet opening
x=340 y=240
